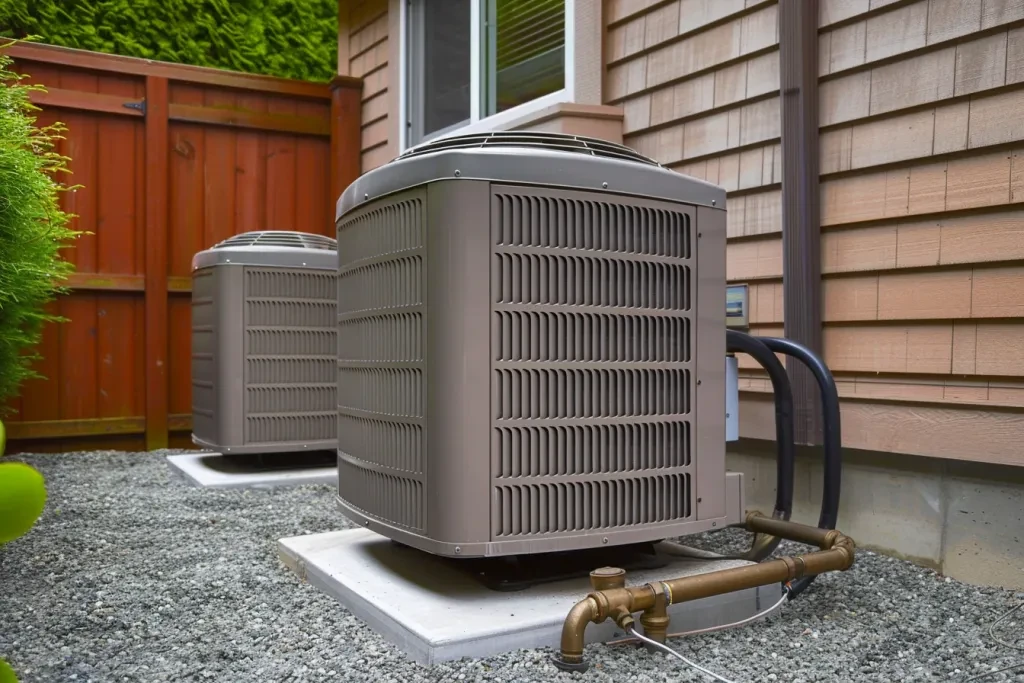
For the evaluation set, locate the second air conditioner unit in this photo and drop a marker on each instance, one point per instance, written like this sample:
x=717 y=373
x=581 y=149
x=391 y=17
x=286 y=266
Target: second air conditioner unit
x=263 y=344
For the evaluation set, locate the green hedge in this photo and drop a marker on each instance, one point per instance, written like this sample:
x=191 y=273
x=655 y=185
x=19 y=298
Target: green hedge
x=33 y=228
x=289 y=38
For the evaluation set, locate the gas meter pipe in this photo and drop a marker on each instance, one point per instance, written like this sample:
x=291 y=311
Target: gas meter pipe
x=612 y=599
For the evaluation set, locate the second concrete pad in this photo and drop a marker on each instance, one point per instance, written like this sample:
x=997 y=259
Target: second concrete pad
x=213 y=470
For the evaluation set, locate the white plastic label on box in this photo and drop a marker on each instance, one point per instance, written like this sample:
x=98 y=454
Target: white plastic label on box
x=732 y=399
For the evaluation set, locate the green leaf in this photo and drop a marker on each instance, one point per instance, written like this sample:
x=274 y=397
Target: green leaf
x=7 y=673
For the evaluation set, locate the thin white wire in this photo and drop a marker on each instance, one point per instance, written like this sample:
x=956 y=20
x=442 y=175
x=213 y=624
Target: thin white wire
x=992 y=629
x=695 y=665
x=1000 y=641
x=735 y=624
x=675 y=654
x=720 y=627
x=1018 y=665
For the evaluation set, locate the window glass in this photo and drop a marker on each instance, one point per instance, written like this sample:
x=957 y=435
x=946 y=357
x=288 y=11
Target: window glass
x=526 y=59
x=519 y=52
x=445 y=65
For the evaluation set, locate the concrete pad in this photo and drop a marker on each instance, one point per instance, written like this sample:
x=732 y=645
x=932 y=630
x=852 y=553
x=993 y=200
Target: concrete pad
x=436 y=612
x=213 y=470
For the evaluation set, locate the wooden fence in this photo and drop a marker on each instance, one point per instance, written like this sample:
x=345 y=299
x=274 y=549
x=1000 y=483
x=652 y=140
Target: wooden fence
x=171 y=160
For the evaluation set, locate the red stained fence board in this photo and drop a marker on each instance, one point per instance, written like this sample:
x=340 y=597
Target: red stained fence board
x=171 y=160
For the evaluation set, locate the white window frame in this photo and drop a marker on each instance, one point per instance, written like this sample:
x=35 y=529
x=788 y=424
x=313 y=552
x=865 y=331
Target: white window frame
x=478 y=124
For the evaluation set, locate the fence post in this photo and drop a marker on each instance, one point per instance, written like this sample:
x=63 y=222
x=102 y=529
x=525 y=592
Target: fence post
x=346 y=134
x=157 y=393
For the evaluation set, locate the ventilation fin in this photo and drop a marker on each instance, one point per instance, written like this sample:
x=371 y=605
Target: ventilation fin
x=279 y=238
x=533 y=140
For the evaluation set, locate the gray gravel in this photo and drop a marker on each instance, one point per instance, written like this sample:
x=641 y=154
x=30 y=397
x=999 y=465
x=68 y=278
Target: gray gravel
x=131 y=575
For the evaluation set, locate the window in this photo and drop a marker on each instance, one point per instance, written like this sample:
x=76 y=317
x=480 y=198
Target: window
x=481 y=62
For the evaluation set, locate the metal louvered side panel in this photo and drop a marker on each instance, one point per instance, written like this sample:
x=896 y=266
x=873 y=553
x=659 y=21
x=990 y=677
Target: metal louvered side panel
x=290 y=349
x=204 y=344
x=575 y=449
x=571 y=280
x=380 y=361
x=392 y=498
x=530 y=393
x=578 y=506
x=592 y=338
x=554 y=336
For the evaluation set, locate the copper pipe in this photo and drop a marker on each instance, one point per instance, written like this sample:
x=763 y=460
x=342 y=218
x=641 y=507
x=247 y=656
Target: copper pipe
x=709 y=629
x=761 y=547
x=655 y=619
x=607 y=577
x=764 y=544
x=836 y=554
x=580 y=615
x=616 y=603
x=801 y=533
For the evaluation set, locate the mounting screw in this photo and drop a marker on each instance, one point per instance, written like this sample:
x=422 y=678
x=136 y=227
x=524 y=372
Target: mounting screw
x=714 y=523
x=699 y=235
x=604 y=541
x=457 y=173
x=458 y=550
x=698 y=383
x=699 y=499
x=604 y=185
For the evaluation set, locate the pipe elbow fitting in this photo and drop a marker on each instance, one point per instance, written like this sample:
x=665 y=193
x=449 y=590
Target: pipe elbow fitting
x=846 y=546
x=573 y=632
x=614 y=603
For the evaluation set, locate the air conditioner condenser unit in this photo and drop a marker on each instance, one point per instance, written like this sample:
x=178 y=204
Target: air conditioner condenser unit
x=531 y=344
x=263 y=344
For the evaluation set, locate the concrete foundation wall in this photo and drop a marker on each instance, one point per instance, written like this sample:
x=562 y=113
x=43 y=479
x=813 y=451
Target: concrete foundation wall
x=962 y=519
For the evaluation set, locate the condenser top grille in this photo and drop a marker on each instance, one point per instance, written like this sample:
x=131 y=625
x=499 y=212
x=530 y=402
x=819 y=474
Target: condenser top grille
x=279 y=238
x=540 y=159
x=272 y=248
x=557 y=142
